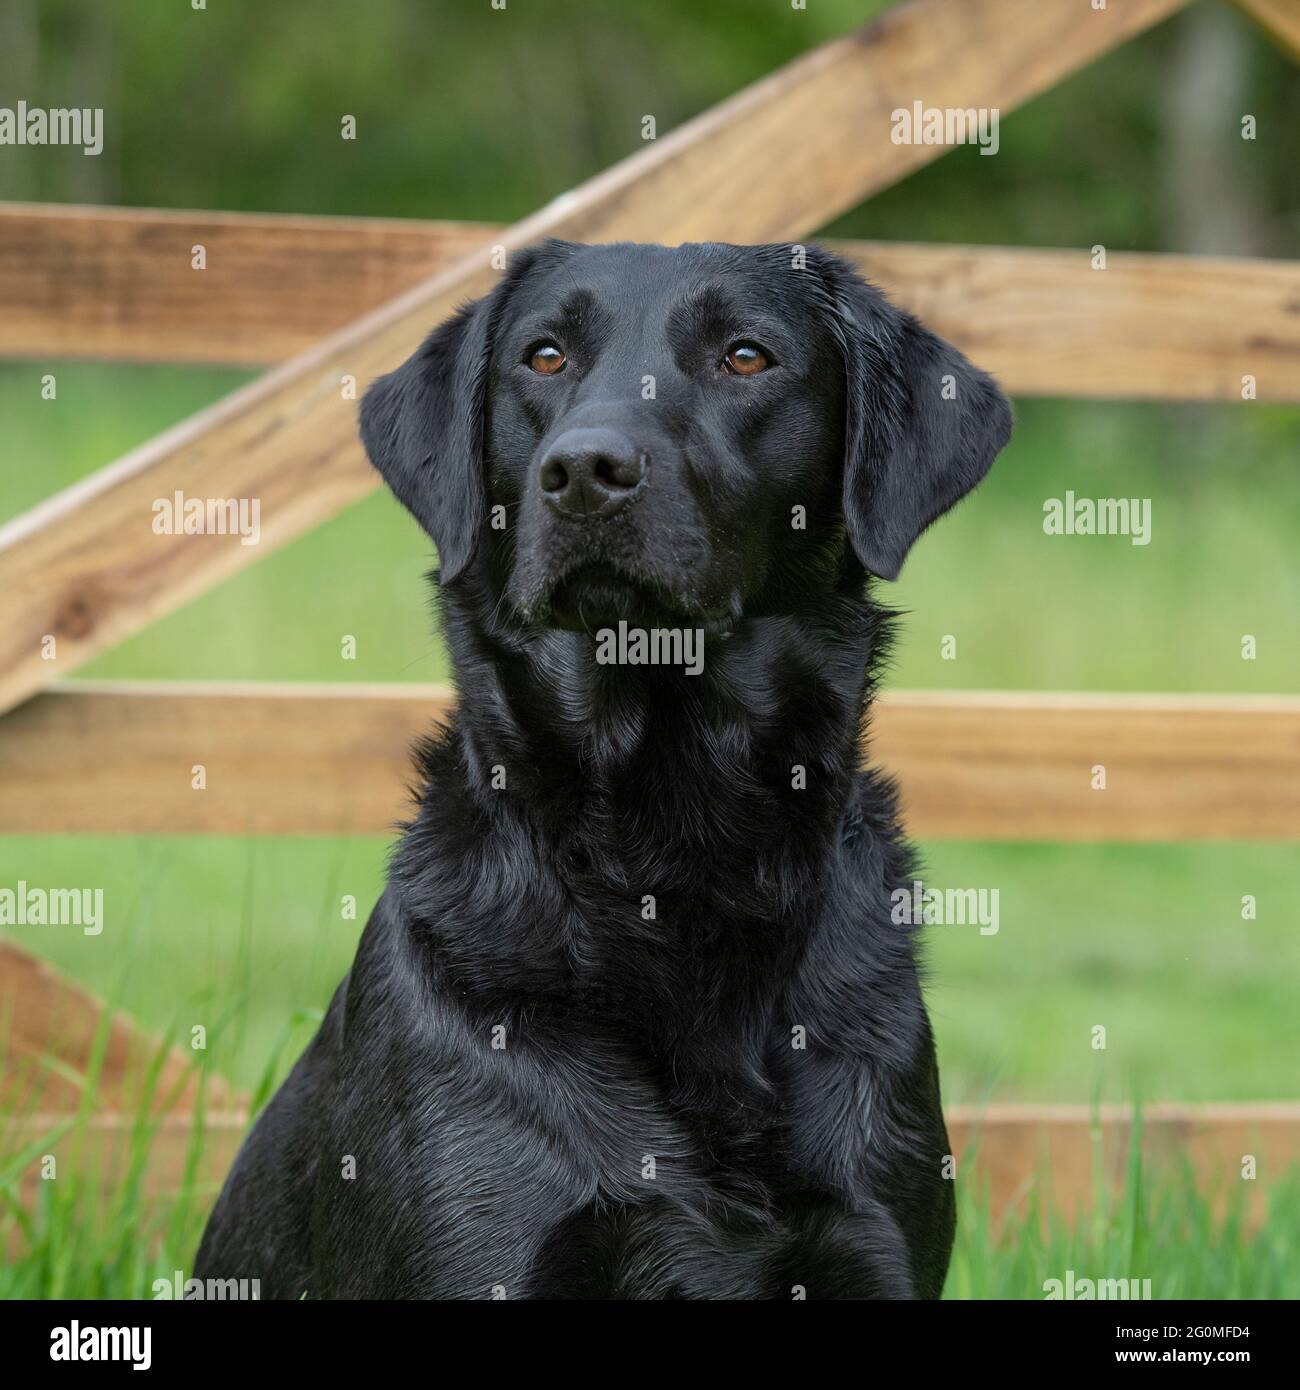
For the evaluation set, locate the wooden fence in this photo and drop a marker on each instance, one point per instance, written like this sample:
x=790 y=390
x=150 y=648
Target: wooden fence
x=320 y=300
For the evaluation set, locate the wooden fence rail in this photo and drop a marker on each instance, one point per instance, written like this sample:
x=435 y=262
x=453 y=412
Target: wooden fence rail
x=116 y=284
x=335 y=759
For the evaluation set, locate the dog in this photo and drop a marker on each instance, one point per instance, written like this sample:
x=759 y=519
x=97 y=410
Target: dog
x=631 y=1019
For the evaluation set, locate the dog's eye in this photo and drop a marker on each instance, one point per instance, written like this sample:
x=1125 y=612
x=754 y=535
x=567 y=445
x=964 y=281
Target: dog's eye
x=746 y=359
x=546 y=359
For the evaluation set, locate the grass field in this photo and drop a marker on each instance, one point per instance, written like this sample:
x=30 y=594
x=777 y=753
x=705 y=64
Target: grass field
x=1148 y=941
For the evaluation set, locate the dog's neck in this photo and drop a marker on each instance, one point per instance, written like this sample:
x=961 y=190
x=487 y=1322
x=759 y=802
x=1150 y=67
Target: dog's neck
x=758 y=741
x=673 y=832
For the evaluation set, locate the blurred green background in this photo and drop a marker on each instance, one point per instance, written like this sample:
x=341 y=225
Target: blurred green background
x=468 y=112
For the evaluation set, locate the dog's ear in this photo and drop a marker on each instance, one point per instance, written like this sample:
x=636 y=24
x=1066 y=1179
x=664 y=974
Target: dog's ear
x=922 y=424
x=422 y=425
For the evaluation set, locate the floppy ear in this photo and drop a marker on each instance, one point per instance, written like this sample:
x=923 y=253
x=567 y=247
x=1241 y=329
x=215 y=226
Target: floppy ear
x=923 y=425
x=422 y=425
x=422 y=428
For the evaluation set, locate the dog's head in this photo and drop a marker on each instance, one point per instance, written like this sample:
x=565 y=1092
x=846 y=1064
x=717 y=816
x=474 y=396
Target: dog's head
x=688 y=434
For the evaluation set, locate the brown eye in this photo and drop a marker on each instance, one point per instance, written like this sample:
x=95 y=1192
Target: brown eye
x=546 y=359
x=746 y=359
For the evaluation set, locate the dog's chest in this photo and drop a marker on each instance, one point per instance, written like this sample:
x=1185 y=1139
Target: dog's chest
x=673 y=1215
x=612 y=1180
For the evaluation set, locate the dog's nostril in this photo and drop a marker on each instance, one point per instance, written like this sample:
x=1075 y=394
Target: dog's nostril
x=553 y=477
x=620 y=473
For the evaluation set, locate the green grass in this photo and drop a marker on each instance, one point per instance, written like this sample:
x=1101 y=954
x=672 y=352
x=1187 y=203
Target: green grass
x=1147 y=941
x=1039 y=612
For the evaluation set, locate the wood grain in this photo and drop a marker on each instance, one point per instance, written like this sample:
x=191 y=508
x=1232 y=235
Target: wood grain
x=118 y=757
x=89 y=282
x=774 y=162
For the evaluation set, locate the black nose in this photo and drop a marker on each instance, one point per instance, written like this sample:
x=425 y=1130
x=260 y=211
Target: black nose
x=591 y=472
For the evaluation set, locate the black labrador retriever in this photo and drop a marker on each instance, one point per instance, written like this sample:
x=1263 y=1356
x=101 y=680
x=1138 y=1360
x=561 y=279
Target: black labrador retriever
x=632 y=1019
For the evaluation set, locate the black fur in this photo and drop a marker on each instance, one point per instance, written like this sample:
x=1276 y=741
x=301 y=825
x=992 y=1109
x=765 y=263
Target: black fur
x=717 y=1077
